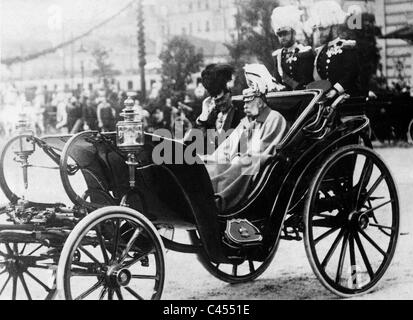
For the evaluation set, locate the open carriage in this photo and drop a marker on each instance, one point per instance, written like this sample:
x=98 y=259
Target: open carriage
x=325 y=185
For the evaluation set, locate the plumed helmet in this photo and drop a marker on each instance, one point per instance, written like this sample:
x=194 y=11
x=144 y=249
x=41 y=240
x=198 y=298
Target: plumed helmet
x=259 y=79
x=286 y=17
x=326 y=13
x=215 y=78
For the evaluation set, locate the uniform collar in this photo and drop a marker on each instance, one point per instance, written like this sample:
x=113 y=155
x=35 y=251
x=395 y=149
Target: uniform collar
x=334 y=42
x=292 y=48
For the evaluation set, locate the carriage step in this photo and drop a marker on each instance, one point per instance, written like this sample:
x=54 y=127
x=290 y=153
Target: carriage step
x=241 y=232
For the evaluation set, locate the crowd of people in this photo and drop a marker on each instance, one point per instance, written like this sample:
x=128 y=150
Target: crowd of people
x=66 y=111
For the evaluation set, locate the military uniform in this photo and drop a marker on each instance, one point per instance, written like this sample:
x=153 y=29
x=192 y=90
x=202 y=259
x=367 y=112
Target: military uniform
x=338 y=62
x=294 y=66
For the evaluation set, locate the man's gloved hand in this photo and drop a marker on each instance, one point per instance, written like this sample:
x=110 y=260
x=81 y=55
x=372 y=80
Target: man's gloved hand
x=331 y=94
x=207 y=106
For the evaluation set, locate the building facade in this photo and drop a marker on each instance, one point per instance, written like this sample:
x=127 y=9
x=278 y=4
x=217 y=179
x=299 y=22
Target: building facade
x=397 y=55
x=213 y=20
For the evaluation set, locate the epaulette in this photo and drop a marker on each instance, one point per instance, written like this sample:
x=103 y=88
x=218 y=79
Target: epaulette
x=348 y=44
x=277 y=52
x=303 y=48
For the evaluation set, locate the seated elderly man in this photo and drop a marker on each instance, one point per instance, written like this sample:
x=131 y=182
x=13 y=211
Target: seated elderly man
x=233 y=166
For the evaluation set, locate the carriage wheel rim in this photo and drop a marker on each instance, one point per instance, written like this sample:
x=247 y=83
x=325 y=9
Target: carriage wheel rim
x=10 y=195
x=352 y=234
x=67 y=185
x=108 y=279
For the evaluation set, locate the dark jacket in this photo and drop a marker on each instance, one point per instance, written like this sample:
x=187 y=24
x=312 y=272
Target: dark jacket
x=338 y=62
x=294 y=69
x=233 y=119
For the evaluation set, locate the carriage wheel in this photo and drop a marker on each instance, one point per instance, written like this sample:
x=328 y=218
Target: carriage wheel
x=15 y=144
x=70 y=171
x=351 y=221
x=26 y=272
x=103 y=259
x=235 y=273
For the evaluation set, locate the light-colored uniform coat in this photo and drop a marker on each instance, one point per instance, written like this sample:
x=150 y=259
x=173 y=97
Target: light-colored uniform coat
x=235 y=164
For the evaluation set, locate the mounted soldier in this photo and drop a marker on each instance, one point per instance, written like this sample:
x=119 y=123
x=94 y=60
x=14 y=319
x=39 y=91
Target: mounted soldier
x=294 y=61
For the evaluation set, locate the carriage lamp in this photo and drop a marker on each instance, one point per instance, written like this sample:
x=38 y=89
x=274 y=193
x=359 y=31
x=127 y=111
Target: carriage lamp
x=23 y=126
x=26 y=146
x=130 y=136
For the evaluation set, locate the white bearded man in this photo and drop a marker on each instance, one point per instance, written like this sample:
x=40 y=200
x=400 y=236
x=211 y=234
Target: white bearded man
x=235 y=164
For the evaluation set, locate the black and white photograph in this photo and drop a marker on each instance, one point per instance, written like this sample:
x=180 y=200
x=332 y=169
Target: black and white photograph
x=206 y=150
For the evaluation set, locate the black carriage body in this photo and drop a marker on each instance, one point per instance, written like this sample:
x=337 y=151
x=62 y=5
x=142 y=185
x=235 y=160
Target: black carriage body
x=280 y=203
x=181 y=195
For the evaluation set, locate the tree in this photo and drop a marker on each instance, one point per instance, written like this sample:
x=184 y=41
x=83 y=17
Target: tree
x=180 y=60
x=104 y=70
x=256 y=39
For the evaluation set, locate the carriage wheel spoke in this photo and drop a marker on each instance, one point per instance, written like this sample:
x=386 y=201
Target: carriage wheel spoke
x=83 y=273
x=361 y=184
x=129 y=245
x=119 y=294
x=374 y=244
x=353 y=262
x=325 y=235
x=378 y=207
x=251 y=265
x=332 y=249
x=26 y=290
x=5 y=285
x=35 y=250
x=103 y=293
x=9 y=250
x=373 y=188
x=116 y=239
x=364 y=256
x=135 y=260
x=24 y=248
x=14 y=292
x=381 y=227
x=37 y=280
x=145 y=277
x=342 y=257
x=110 y=294
x=102 y=244
x=132 y=292
x=91 y=257
x=38 y=266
